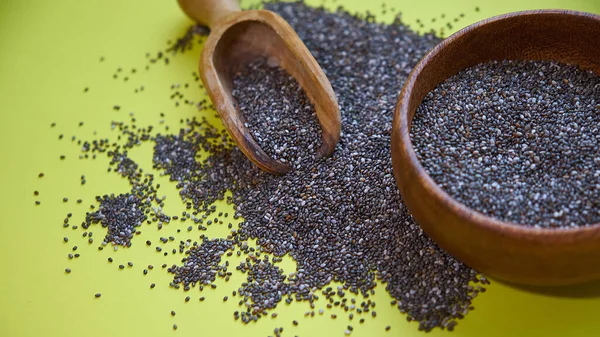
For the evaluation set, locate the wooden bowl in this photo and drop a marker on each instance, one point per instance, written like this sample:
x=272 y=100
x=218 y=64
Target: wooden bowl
x=504 y=250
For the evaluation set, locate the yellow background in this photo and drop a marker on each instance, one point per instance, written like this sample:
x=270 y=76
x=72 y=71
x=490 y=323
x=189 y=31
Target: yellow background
x=50 y=52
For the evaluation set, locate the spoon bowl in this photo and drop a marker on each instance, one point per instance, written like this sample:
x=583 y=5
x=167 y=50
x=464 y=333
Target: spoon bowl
x=238 y=38
x=500 y=249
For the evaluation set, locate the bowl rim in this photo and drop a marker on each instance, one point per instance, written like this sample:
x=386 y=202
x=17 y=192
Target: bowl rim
x=477 y=218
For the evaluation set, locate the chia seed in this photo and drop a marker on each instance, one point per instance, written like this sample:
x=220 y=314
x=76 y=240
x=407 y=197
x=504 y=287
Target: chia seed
x=284 y=124
x=340 y=218
x=517 y=140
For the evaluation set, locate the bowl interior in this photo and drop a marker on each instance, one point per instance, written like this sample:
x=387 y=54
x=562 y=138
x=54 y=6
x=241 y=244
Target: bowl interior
x=550 y=35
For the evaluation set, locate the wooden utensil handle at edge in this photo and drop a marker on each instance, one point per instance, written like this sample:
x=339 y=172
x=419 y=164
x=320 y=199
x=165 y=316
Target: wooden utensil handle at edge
x=208 y=12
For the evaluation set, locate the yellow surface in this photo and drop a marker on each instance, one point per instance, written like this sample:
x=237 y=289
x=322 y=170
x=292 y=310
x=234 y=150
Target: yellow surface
x=50 y=52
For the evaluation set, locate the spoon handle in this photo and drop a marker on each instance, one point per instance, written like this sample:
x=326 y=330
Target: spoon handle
x=208 y=12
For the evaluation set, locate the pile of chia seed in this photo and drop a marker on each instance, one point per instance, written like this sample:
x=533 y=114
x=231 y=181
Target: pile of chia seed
x=284 y=123
x=516 y=140
x=340 y=218
x=201 y=266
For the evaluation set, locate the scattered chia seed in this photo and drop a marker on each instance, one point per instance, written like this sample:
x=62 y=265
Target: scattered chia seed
x=120 y=224
x=340 y=218
x=202 y=263
x=313 y=212
x=517 y=140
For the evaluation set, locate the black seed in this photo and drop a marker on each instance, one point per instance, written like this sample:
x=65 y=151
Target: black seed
x=311 y=212
x=505 y=158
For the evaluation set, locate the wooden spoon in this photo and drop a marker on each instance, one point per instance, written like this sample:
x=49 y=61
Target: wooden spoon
x=508 y=251
x=238 y=38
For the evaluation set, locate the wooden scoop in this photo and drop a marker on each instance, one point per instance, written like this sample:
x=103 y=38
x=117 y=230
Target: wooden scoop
x=238 y=38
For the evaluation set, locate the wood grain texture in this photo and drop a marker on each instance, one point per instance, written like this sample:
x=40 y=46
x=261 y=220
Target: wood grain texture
x=208 y=12
x=500 y=249
x=239 y=38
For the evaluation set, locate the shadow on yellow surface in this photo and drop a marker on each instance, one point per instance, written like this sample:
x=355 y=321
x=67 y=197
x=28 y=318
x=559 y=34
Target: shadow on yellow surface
x=588 y=290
